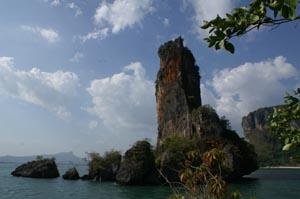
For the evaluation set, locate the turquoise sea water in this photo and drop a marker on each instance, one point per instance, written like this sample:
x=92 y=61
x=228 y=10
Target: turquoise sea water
x=264 y=184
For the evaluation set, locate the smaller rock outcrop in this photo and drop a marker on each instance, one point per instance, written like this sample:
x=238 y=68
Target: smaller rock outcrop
x=138 y=166
x=104 y=168
x=71 y=174
x=45 y=168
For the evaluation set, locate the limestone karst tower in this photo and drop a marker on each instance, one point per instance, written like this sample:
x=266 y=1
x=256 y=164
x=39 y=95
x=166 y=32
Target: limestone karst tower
x=180 y=112
x=177 y=89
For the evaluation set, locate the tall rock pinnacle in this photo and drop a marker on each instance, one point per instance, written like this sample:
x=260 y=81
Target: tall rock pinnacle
x=180 y=113
x=177 y=89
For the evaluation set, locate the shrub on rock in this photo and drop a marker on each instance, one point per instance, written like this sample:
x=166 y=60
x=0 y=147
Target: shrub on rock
x=104 y=168
x=138 y=166
x=71 y=174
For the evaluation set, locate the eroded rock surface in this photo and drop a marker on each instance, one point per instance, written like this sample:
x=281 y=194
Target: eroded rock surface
x=177 y=89
x=138 y=166
x=180 y=113
x=255 y=126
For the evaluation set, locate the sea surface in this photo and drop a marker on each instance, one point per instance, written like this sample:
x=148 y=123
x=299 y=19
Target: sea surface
x=263 y=184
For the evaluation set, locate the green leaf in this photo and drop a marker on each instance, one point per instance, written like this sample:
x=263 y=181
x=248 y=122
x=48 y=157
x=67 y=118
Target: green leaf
x=292 y=3
x=285 y=11
x=287 y=140
x=287 y=147
x=222 y=43
x=205 y=25
x=229 y=47
x=217 y=46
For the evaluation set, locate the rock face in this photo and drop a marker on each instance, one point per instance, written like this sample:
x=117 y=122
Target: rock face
x=256 y=121
x=180 y=113
x=45 y=168
x=177 y=89
x=241 y=156
x=138 y=166
x=71 y=174
x=257 y=133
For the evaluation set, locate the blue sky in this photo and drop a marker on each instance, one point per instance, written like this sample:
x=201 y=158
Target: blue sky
x=78 y=75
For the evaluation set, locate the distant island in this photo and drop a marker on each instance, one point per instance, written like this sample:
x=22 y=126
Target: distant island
x=61 y=158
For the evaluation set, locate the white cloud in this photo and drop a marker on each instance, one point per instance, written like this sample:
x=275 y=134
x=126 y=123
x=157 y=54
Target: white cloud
x=207 y=10
x=49 y=34
x=122 y=13
x=75 y=7
x=125 y=102
x=93 y=124
x=55 y=3
x=48 y=90
x=118 y=15
x=71 y=5
x=166 y=22
x=96 y=34
x=247 y=87
x=77 y=56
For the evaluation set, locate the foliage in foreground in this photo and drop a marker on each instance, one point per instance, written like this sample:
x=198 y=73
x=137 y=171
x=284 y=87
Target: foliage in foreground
x=202 y=176
x=285 y=121
x=202 y=166
x=259 y=13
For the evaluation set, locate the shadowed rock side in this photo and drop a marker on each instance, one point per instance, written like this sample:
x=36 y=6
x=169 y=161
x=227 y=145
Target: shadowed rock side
x=177 y=89
x=71 y=174
x=45 y=168
x=138 y=166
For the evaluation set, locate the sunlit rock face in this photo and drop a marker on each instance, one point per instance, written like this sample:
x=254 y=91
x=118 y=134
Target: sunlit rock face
x=181 y=114
x=177 y=90
x=255 y=126
x=256 y=121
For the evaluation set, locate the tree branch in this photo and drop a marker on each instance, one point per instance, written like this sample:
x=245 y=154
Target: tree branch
x=273 y=22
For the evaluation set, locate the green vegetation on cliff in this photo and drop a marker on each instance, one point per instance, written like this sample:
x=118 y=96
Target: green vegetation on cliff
x=104 y=168
x=215 y=133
